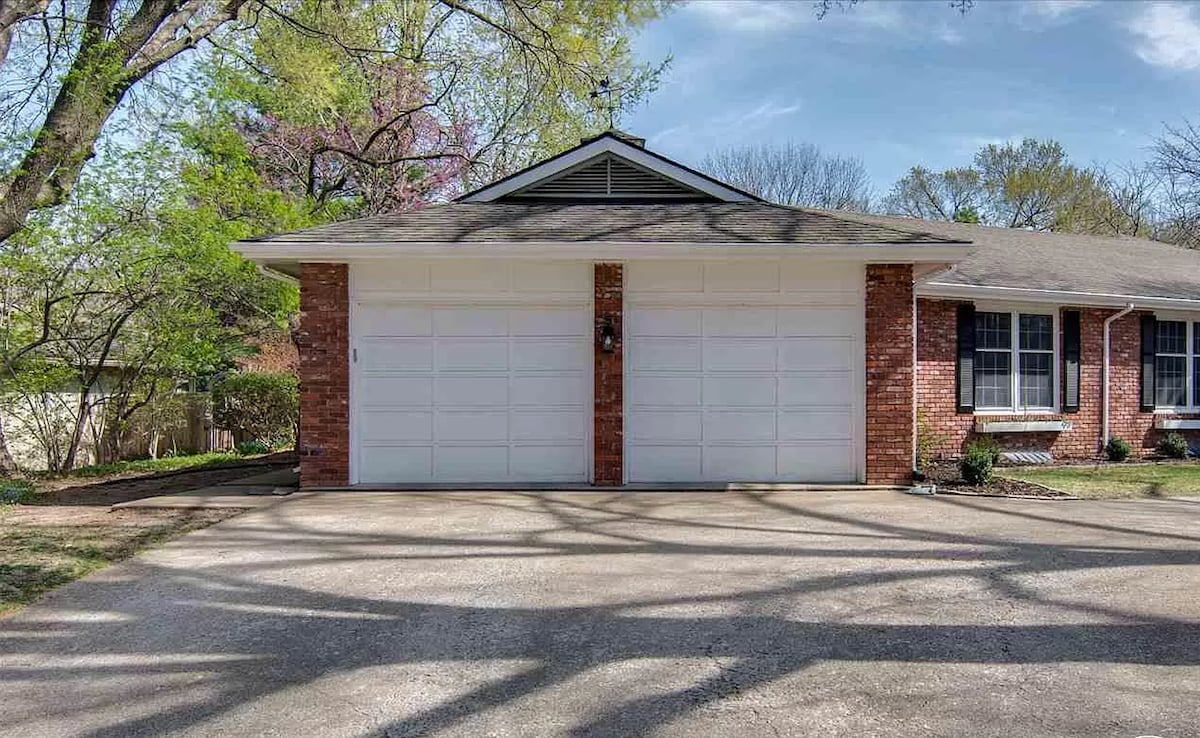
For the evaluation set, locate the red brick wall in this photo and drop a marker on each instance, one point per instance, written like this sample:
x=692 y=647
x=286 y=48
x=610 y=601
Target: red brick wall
x=608 y=433
x=936 y=401
x=324 y=341
x=889 y=431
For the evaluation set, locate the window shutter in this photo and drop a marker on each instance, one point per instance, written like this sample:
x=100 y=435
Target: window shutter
x=965 y=374
x=1070 y=383
x=1149 y=340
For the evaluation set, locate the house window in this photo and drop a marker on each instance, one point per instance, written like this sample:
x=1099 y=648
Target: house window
x=1014 y=361
x=1176 y=369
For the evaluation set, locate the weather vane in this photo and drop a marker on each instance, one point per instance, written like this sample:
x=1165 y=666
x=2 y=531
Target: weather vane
x=603 y=87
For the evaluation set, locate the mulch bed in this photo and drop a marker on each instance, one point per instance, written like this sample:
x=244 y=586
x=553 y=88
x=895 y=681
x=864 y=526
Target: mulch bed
x=946 y=475
x=107 y=492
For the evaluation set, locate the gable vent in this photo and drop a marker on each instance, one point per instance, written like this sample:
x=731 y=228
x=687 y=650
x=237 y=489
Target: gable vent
x=610 y=178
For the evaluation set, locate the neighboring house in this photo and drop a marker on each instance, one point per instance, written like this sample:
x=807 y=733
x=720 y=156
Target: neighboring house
x=610 y=316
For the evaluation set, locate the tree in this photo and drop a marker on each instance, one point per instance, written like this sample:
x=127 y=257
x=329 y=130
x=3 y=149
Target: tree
x=794 y=174
x=1028 y=184
x=1177 y=161
x=954 y=194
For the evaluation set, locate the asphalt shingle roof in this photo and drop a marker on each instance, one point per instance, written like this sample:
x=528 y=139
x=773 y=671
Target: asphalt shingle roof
x=1010 y=257
x=720 y=222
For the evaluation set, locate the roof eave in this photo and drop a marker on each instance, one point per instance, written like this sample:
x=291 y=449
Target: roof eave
x=1081 y=298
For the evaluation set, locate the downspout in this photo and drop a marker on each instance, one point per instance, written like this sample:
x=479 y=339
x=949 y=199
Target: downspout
x=1104 y=378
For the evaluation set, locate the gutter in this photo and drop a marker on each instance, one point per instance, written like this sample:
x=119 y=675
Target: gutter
x=1053 y=297
x=1104 y=377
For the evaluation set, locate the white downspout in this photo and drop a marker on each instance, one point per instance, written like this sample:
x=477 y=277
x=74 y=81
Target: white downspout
x=1104 y=378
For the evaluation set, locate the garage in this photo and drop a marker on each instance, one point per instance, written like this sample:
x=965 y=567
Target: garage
x=744 y=371
x=465 y=371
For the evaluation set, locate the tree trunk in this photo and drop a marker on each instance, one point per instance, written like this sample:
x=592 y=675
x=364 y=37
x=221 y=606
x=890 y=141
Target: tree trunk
x=8 y=467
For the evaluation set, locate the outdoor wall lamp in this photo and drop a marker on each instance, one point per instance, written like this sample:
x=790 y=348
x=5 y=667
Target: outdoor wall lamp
x=608 y=336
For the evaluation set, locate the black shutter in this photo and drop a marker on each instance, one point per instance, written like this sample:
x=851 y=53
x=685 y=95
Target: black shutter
x=1070 y=382
x=1149 y=345
x=965 y=375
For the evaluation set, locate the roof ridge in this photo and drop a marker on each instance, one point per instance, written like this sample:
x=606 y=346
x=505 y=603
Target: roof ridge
x=849 y=217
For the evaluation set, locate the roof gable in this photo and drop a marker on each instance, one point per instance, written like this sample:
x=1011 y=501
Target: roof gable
x=586 y=172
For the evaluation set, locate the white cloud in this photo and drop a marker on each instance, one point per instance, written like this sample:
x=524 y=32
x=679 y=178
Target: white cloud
x=1168 y=36
x=1054 y=10
x=755 y=17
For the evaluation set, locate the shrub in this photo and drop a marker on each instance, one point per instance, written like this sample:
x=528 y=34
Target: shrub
x=1117 y=449
x=986 y=445
x=265 y=407
x=15 y=492
x=928 y=441
x=976 y=467
x=252 y=448
x=1173 y=446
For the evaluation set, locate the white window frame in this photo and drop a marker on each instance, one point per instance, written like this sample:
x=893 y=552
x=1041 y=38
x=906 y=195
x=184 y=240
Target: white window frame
x=1191 y=325
x=1015 y=350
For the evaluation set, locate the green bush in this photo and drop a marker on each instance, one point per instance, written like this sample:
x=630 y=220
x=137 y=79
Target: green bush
x=1173 y=446
x=928 y=441
x=252 y=448
x=265 y=407
x=976 y=466
x=1117 y=449
x=987 y=445
x=15 y=492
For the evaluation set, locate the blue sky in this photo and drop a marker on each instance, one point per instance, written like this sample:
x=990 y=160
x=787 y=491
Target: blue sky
x=904 y=83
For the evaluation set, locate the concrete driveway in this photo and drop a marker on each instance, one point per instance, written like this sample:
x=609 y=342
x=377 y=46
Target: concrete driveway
x=589 y=614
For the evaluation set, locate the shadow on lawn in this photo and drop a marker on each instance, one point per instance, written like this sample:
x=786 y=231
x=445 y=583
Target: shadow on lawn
x=252 y=639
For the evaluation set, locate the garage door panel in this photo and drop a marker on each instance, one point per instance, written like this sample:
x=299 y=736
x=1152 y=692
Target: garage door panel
x=470 y=322
x=665 y=463
x=813 y=425
x=547 y=425
x=396 y=425
x=472 y=390
x=817 y=321
x=739 y=390
x=739 y=425
x=471 y=425
x=665 y=425
x=550 y=463
x=548 y=390
x=391 y=463
x=816 y=354
x=548 y=322
x=671 y=322
x=666 y=390
x=834 y=388
x=740 y=322
x=666 y=354
x=472 y=354
x=739 y=354
x=831 y=462
x=395 y=320
x=471 y=463
x=398 y=391
x=553 y=354
x=658 y=277
x=395 y=354
x=743 y=463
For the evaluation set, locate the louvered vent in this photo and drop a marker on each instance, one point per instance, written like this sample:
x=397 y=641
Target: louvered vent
x=609 y=177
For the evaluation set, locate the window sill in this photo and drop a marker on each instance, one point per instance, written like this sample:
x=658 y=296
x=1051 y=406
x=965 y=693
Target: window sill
x=984 y=425
x=1166 y=421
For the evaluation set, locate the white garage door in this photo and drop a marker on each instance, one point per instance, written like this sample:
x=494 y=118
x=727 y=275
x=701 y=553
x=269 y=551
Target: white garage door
x=471 y=372
x=743 y=371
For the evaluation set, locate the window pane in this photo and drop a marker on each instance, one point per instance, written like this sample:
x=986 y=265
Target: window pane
x=993 y=331
x=1172 y=337
x=1037 y=332
x=1037 y=380
x=993 y=379
x=1170 y=377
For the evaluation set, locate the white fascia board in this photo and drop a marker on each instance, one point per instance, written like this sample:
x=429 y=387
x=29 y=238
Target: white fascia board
x=613 y=146
x=268 y=251
x=1056 y=297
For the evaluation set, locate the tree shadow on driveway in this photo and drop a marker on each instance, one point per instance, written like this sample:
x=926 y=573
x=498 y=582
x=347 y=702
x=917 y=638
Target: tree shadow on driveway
x=264 y=622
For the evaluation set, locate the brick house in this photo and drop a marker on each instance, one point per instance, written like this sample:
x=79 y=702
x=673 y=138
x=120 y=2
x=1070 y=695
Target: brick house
x=613 y=318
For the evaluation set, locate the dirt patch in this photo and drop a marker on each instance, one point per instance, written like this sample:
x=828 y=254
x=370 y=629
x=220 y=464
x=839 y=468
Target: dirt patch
x=42 y=547
x=111 y=490
x=946 y=476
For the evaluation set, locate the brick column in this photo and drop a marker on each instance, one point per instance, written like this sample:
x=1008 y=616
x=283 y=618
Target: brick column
x=608 y=392
x=324 y=343
x=890 y=335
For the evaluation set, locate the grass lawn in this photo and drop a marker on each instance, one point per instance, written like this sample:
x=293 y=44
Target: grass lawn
x=44 y=547
x=1115 y=480
x=154 y=466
